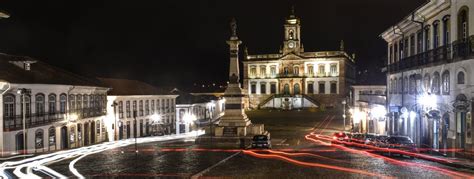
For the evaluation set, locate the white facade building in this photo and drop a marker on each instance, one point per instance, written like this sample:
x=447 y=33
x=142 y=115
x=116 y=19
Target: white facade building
x=154 y=109
x=62 y=110
x=368 y=109
x=429 y=81
x=198 y=110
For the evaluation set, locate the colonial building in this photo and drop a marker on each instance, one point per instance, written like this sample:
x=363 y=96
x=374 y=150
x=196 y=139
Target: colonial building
x=47 y=108
x=294 y=78
x=197 y=110
x=138 y=109
x=429 y=81
x=368 y=109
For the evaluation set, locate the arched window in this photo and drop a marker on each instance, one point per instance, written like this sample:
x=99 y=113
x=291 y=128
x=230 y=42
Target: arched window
x=446 y=82
x=296 y=70
x=27 y=103
x=412 y=84
x=39 y=142
x=285 y=71
x=461 y=77
x=40 y=104
x=52 y=104
x=79 y=103
x=435 y=83
x=296 y=88
x=463 y=24
x=72 y=103
x=426 y=83
x=446 y=30
x=72 y=135
x=9 y=106
x=286 y=89
x=52 y=136
x=62 y=103
x=436 y=34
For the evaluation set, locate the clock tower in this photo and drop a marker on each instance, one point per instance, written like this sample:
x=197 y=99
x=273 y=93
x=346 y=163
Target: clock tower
x=292 y=42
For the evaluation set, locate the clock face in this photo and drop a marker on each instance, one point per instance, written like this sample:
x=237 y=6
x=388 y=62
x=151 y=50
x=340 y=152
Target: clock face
x=291 y=45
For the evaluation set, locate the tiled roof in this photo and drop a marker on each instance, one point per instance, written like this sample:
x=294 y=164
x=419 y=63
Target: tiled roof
x=122 y=87
x=40 y=73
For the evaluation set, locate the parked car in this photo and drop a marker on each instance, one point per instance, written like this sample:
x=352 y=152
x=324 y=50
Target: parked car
x=380 y=140
x=261 y=141
x=363 y=138
x=340 y=136
x=401 y=143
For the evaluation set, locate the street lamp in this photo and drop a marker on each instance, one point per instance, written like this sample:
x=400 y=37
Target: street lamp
x=344 y=115
x=23 y=92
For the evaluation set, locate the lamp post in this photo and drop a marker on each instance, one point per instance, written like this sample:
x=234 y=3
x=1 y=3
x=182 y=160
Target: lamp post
x=344 y=115
x=23 y=92
x=114 y=105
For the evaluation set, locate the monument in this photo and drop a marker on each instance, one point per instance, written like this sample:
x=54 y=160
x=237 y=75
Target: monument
x=234 y=126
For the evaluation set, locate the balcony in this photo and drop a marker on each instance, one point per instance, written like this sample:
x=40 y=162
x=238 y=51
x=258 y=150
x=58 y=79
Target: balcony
x=458 y=51
x=35 y=120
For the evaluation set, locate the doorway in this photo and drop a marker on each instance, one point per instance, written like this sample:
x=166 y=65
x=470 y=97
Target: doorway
x=64 y=137
x=86 y=134
x=92 y=132
x=19 y=142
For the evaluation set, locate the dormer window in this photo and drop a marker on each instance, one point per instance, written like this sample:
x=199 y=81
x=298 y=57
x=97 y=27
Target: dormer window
x=27 y=66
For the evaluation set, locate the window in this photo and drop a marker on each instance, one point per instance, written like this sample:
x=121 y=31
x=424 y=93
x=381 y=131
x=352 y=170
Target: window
x=426 y=83
x=140 y=108
x=286 y=89
x=85 y=101
x=253 y=71
x=334 y=87
x=97 y=124
x=333 y=69
x=296 y=88
x=296 y=70
x=134 y=108
x=253 y=88
x=9 y=106
x=286 y=71
x=163 y=105
x=120 y=109
x=400 y=85
x=463 y=24
x=412 y=44
x=322 y=88
x=52 y=104
x=263 y=70
x=461 y=77
x=27 y=110
x=40 y=104
x=412 y=84
x=168 y=104
x=147 y=107
x=419 y=44
x=446 y=82
x=321 y=70
x=310 y=88
x=310 y=69
x=62 y=103
x=405 y=48
x=427 y=38
x=72 y=103
x=405 y=86
x=390 y=54
x=446 y=30
x=273 y=88
x=418 y=84
x=435 y=83
x=152 y=106
x=395 y=53
x=52 y=136
x=127 y=109
x=435 y=34
x=158 y=106
x=79 y=102
x=273 y=70
x=72 y=135
x=39 y=143
x=263 y=88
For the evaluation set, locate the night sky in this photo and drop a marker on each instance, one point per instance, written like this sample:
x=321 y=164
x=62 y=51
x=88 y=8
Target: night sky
x=181 y=43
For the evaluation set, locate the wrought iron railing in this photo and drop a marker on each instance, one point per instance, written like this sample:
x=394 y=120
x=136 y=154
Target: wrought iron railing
x=458 y=51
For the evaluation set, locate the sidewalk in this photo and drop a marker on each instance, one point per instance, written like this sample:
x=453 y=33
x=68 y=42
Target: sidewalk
x=456 y=162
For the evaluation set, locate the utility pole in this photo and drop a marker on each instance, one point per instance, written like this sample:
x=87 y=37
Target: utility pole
x=23 y=92
x=114 y=104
